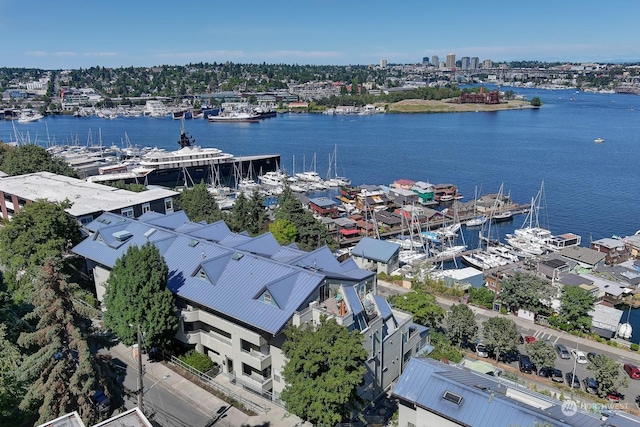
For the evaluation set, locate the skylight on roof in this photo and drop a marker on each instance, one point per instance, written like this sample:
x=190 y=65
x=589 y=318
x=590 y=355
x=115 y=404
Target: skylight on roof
x=194 y=243
x=237 y=256
x=452 y=397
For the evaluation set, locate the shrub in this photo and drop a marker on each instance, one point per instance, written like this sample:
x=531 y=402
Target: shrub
x=634 y=347
x=197 y=361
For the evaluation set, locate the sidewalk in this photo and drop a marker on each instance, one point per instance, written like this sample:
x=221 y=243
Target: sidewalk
x=205 y=401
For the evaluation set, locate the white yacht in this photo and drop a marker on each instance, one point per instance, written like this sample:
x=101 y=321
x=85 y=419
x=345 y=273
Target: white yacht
x=155 y=108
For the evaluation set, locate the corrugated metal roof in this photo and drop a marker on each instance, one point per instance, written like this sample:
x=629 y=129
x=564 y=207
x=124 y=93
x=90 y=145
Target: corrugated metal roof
x=235 y=277
x=214 y=232
x=383 y=307
x=485 y=400
x=351 y=296
x=377 y=250
x=170 y=221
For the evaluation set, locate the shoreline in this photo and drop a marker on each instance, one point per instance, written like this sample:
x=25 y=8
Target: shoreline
x=448 y=106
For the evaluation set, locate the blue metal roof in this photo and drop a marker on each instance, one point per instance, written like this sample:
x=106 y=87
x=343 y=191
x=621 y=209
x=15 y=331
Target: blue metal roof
x=383 y=306
x=352 y=299
x=375 y=249
x=323 y=202
x=171 y=221
x=484 y=402
x=214 y=232
x=236 y=271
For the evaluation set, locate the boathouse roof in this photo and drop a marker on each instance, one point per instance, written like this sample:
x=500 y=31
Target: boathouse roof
x=375 y=249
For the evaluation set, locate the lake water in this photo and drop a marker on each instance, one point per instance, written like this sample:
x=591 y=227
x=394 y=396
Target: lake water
x=591 y=189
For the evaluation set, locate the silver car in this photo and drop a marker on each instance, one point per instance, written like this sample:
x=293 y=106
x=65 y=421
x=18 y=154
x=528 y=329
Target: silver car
x=481 y=350
x=562 y=351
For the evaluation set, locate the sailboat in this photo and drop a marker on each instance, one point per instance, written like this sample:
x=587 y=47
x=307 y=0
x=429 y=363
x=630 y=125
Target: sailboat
x=335 y=180
x=479 y=220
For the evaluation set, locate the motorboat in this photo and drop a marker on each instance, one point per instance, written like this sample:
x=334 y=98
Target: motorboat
x=477 y=221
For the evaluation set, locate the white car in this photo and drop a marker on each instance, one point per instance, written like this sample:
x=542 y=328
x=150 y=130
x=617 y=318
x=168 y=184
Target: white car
x=579 y=356
x=481 y=350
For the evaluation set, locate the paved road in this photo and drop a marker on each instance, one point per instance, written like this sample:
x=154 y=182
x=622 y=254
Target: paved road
x=527 y=327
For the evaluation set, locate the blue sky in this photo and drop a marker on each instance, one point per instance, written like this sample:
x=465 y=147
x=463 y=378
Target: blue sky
x=53 y=34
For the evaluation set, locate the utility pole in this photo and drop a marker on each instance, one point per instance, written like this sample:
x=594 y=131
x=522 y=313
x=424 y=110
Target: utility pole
x=140 y=372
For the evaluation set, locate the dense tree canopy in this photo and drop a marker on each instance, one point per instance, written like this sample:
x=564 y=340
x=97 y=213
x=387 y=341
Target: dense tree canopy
x=526 y=291
x=30 y=158
x=423 y=306
x=11 y=388
x=283 y=230
x=324 y=368
x=542 y=354
x=199 y=204
x=500 y=334
x=575 y=305
x=137 y=294
x=248 y=213
x=460 y=324
x=41 y=230
x=608 y=374
x=311 y=233
x=62 y=372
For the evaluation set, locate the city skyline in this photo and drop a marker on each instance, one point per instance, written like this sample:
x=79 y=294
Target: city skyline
x=71 y=34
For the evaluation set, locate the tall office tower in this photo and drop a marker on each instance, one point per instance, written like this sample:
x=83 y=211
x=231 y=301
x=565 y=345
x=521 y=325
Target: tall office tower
x=435 y=61
x=425 y=60
x=465 y=63
x=451 y=60
x=475 y=63
x=383 y=63
x=487 y=64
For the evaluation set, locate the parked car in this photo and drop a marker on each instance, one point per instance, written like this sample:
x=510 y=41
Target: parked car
x=101 y=401
x=572 y=378
x=579 y=356
x=544 y=372
x=632 y=370
x=591 y=356
x=556 y=375
x=562 y=351
x=615 y=396
x=525 y=364
x=529 y=339
x=590 y=385
x=481 y=350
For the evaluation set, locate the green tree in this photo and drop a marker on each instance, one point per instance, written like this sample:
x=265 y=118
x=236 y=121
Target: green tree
x=11 y=388
x=500 y=335
x=137 y=294
x=311 y=233
x=482 y=296
x=248 y=213
x=536 y=102
x=325 y=366
x=460 y=325
x=199 y=204
x=525 y=291
x=62 y=371
x=41 y=230
x=423 y=306
x=575 y=305
x=542 y=354
x=608 y=374
x=30 y=158
x=283 y=230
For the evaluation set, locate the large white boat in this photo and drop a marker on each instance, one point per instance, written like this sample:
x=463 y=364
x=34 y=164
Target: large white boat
x=273 y=178
x=28 y=116
x=235 y=116
x=155 y=108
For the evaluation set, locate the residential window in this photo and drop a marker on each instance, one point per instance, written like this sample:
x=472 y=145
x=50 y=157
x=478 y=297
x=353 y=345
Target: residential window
x=168 y=204
x=84 y=220
x=128 y=212
x=146 y=207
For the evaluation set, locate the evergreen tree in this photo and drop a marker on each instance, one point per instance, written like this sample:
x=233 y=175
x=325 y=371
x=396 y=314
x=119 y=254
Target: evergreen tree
x=137 y=294
x=41 y=230
x=11 y=388
x=60 y=367
x=324 y=369
x=238 y=217
x=199 y=204
x=576 y=303
x=311 y=233
x=257 y=214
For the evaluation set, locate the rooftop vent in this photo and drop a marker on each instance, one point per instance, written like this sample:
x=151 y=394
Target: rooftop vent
x=122 y=235
x=452 y=397
x=149 y=232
